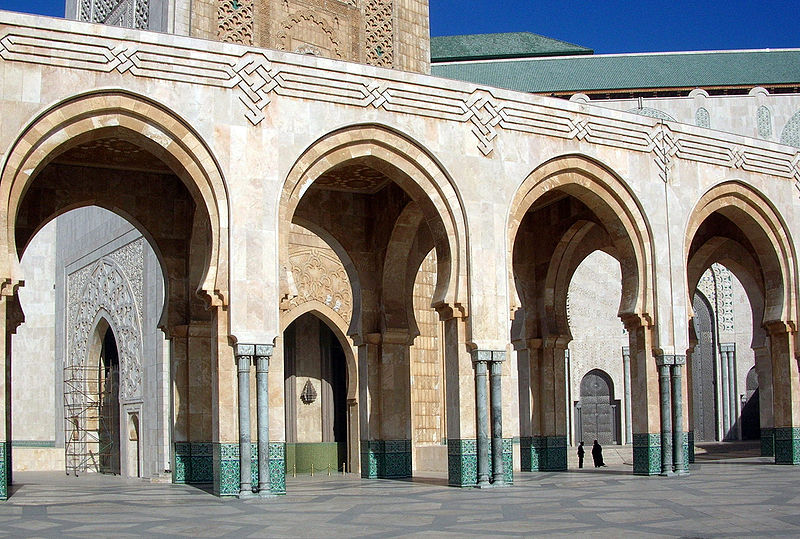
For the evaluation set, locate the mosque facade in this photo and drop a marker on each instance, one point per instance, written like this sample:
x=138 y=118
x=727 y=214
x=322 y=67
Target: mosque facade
x=250 y=239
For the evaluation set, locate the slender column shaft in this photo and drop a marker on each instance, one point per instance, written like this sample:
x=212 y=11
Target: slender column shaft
x=626 y=366
x=666 y=425
x=677 y=418
x=482 y=418
x=496 y=397
x=732 y=395
x=245 y=487
x=725 y=385
x=262 y=394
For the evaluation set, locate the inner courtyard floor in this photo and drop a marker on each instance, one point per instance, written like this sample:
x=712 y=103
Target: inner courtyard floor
x=723 y=497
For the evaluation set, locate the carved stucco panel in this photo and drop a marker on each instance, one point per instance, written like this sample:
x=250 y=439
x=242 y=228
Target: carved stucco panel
x=319 y=275
x=113 y=284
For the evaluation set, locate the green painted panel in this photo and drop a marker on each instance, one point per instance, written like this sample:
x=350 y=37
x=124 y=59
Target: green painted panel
x=300 y=457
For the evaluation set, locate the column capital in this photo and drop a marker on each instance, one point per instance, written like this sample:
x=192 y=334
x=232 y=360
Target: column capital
x=252 y=350
x=727 y=347
x=488 y=356
x=670 y=359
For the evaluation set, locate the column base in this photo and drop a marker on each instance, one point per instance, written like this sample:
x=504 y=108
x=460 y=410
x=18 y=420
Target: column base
x=768 y=442
x=5 y=470
x=686 y=451
x=462 y=464
x=647 y=454
x=386 y=459
x=226 y=470
x=787 y=445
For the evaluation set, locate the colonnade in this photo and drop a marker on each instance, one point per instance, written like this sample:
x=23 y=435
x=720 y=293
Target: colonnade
x=246 y=355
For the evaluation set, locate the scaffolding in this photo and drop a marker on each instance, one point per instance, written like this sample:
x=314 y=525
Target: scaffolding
x=91 y=414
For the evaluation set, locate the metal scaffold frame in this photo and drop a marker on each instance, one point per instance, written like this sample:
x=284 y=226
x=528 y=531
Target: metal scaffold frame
x=89 y=418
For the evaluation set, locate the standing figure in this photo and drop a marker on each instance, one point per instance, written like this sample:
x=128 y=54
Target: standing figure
x=581 y=452
x=597 y=455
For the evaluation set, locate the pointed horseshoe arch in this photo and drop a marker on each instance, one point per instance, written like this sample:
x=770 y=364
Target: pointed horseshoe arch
x=766 y=231
x=92 y=116
x=600 y=188
x=408 y=164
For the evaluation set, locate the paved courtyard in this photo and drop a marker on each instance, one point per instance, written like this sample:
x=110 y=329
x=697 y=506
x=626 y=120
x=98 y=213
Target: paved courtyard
x=723 y=497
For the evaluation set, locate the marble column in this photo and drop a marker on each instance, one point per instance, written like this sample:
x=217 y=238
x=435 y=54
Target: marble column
x=626 y=366
x=664 y=363
x=725 y=387
x=262 y=354
x=677 y=415
x=496 y=396
x=730 y=354
x=480 y=360
x=244 y=356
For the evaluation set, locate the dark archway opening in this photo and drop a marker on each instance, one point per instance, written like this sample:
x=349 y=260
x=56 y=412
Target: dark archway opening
x=108 y=399
x=315 y=378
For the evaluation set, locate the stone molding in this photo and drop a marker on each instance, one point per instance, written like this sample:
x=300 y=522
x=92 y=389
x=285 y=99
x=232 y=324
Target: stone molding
x=258 y=74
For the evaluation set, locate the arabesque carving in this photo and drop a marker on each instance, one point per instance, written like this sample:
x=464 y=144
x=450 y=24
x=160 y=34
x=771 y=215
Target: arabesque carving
x=114 y=285
x=379 y=32
x=319 y=275
x=235 y=19
x=312 y=27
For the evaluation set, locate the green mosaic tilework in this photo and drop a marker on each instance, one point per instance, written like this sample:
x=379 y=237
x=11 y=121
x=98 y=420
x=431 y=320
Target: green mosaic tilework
x=5 y=464
x=226 y=469
x=767 y=442
x=690 y=439
x=397 y=459
x=181 y=468
x=385 y=459
x=462 y=462
x=531 y=453
x=371 y=452
x=33 y=443
x=508 y=460
x=686 y=452
x=787 y=445
x=277 y=468
x=646 y=454
x=554 y=451
x=201 y=469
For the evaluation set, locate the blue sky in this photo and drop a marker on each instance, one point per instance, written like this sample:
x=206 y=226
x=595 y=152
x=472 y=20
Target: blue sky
x=607 y=26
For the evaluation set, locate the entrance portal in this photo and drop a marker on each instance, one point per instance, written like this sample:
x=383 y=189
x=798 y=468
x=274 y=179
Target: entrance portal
x=316 y=397
x=108 y=399
x=597 y=413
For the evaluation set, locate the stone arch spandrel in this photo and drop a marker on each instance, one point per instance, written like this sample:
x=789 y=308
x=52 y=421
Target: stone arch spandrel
x=769 y=236
x=616 y=206
x=94 y=115
x=414 y=169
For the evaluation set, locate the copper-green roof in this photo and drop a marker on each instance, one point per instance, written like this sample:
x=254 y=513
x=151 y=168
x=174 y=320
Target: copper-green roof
x=506 y=45
x=632 y=71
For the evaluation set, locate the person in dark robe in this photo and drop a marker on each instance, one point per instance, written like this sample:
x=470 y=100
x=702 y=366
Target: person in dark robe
x=597 y=455
x=581 y=453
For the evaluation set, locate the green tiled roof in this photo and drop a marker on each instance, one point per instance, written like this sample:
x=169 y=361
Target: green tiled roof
x=492 y=46
x=633 y=71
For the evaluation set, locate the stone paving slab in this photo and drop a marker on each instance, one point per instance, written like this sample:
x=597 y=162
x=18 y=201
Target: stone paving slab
x=747 y=497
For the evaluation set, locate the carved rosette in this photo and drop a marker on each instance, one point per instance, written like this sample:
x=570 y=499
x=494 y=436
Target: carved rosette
x=319 y=275
x=112 y=285
x=235 y=19
x=379 y=33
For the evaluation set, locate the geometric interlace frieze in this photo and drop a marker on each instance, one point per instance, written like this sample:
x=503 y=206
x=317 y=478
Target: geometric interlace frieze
x=258 y=75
